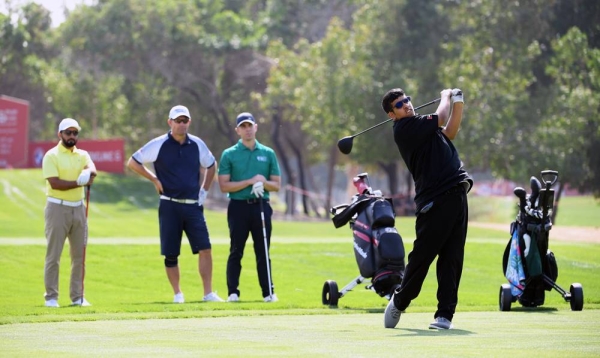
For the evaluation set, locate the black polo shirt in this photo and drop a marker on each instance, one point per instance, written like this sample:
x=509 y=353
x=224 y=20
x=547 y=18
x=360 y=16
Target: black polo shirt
x=430 y=157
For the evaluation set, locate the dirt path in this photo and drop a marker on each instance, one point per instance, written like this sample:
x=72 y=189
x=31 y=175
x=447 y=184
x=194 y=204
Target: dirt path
x=563 y=233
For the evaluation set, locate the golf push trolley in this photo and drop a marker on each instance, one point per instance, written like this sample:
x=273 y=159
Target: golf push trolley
x=528 y=264
x=378 y=247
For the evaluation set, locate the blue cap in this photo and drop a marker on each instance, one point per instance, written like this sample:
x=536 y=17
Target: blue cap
x=245 y=117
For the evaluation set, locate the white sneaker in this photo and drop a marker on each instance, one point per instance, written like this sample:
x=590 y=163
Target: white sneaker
x=272 y=298
x=52 y=303
x=391 y=316
x=441 y=323
x=212 y=297
x=233 y=298
x=178 y=298
x=82 y=303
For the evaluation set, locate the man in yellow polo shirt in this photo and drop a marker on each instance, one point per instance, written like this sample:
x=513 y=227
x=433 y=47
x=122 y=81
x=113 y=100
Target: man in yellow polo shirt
x=67 y=170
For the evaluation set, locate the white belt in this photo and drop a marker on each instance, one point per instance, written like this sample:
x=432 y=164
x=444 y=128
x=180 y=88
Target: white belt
x=65 y=202
x=181 y=201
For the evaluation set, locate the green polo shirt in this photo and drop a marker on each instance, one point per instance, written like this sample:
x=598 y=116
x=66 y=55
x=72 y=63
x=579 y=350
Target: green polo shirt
x=62 y=163
x=241 y=163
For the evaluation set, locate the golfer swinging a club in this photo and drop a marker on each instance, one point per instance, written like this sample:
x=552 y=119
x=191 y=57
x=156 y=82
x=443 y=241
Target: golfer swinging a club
x=248 y=171
x=441 y=186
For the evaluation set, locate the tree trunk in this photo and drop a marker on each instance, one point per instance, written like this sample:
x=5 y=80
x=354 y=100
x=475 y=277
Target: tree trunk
x=330 y=177
x=391 y=170
x=283 y=160
x=557 y=196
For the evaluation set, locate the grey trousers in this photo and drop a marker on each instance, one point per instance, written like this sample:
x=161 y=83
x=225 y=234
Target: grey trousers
x=64 y=222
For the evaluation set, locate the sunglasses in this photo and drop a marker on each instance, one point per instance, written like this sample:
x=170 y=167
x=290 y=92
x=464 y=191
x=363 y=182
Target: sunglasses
x=401 y=103
x=183 y=120
x=70 y=132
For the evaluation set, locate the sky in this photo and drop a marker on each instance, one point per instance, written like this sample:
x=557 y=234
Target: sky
x=56 y=7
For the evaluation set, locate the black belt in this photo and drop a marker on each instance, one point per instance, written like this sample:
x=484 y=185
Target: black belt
x=463 y=186
x=251 y=201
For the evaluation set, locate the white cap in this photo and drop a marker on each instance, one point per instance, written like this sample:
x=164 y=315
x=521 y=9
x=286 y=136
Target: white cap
x=68 y=123
x=179 y=111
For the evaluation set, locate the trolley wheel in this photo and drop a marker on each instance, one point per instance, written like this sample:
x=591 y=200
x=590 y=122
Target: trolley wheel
x=576 y=297
x=330 y=295
x=505 y=297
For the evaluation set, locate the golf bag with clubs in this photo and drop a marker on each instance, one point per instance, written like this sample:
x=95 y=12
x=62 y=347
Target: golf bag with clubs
x=378 y=246
x=528 y=264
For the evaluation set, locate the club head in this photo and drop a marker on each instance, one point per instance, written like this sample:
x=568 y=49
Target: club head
x=536 y=186
x=345 y=144
x=520 y=192
x=522 y=195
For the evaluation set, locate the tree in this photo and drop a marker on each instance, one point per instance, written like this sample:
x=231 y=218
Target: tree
x=569 y=136
x=24 y=46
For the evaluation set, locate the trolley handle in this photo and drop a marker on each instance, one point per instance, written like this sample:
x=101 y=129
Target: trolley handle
x=549 y=177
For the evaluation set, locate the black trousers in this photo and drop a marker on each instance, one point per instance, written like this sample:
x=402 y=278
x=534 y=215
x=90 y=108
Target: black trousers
x=441 y=232
x=243 y=218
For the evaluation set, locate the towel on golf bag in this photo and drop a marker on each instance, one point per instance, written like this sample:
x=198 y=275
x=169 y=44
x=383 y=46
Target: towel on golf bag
x=522 y=260
x=515 y=274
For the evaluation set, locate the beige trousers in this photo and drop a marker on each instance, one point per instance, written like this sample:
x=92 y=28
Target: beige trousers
x=65 y=222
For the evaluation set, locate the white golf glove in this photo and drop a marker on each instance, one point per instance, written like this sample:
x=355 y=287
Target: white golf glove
x=258 y=189
x=457 y=96
x=84 y=177
x=201 y=196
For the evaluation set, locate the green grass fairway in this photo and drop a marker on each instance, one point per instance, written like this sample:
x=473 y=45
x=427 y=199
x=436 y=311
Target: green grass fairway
x=132 y=312
x=544 y=333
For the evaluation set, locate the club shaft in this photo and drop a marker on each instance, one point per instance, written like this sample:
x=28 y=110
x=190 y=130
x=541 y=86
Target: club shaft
x=264 y=229
x=384 y=122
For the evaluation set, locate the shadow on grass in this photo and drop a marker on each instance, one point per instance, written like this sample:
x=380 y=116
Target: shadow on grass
x=437 y=332
x=534 y=309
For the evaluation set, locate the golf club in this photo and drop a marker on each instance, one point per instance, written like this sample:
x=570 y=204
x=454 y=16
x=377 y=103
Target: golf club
x=85 y=239
x=345 y=144
x=521 y=194
x=264 y=228
x=536 y=186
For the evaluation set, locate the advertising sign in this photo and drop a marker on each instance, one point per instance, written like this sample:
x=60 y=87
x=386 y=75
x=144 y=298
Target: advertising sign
x=108 y=155
x=14 y=132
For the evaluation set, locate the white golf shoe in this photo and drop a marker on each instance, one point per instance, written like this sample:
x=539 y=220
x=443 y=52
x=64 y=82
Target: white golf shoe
x=213 y=297
x=178 y=298
x=82 y=303
x=391 y=317
x=52 y=303
x=272 y=298
x=441 y=323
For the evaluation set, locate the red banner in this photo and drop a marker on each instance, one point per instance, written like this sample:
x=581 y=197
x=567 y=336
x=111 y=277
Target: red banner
x=14 y=132
x=108 y=155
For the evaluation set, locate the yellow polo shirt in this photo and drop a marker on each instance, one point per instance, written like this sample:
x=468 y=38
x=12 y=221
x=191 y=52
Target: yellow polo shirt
x=65 y=164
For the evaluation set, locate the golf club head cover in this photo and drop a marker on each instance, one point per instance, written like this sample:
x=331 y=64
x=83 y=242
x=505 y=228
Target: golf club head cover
x=521 y=194
x=84 y=177
x=457 y=96
x=258 y=189
x=536 y=186
x=201 y=196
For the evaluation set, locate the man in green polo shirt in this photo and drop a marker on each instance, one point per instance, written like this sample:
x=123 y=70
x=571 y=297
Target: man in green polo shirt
x=248 y=171
x=67 y=169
